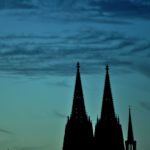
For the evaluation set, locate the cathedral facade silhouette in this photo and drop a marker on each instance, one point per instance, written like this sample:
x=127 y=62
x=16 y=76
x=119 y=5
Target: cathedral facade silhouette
x=108 y=133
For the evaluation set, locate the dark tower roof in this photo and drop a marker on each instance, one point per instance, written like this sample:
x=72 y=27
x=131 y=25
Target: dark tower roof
x=130 y=130
x=108 y=130
x=107 y=112
x=78 y=107
x=78 y=131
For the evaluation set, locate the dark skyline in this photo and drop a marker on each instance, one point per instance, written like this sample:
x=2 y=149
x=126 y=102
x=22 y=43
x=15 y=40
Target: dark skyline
x=41 y=41
x=107 y=133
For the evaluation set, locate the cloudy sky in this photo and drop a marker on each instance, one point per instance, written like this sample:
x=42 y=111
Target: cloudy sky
x=40 y=44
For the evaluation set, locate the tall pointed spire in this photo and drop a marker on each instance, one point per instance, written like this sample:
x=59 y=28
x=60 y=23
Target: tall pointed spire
x=108 y=130
x=78 y=107
x=78 y=131
x=130 y=130
x=130 y=143
x=107 y=112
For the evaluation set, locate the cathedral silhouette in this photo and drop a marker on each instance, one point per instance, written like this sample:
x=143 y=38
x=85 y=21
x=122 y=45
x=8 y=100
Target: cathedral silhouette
x=108 y=133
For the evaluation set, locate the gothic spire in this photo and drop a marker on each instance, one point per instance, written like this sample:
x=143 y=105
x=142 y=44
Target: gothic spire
x=130 y=142
x=130 y=130
x=107 y=112
x=108 y=130
x=78 y=107
x=78 y=131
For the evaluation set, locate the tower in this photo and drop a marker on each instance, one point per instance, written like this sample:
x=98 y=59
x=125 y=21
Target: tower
x=108 y=130
x=78 y=131
x=130 y=142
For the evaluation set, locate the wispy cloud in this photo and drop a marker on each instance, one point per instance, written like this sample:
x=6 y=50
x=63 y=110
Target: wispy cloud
x=127 y=8
x=143 y=67
x=62 y=83
x=145 y=105
x=6 y=131
x=48 y=55
x=14 y=4
x=60 y=115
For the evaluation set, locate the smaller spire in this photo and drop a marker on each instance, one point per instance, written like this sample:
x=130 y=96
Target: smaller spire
x=130 y=142
x=130 y=130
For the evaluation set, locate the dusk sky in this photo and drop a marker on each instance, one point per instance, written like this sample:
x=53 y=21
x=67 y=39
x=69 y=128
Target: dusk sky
x=40 y=43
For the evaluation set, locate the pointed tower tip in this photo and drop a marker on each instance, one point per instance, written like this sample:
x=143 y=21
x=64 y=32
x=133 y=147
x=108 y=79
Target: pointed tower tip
x=130 y=142
x=78 y=65
x=78 y=107
x=129 y=112
x=130 y=130
x=129 y=108
x=107 y=112
x=107 y=67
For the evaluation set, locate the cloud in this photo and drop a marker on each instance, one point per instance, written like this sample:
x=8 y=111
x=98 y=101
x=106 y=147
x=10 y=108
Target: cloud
x=60 y=83
x=107 y=8
x=143 y=47
x=35 y=55
x=126 y=8
x=6 y=131
x=145 y=105
x=60 y=115
x=16 y=4
x=143 y=67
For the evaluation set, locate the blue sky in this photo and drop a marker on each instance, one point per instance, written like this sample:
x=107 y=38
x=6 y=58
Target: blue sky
x=40 y=43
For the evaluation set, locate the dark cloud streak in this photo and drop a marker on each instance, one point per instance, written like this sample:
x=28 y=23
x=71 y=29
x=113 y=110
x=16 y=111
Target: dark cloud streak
x=143 y=68
x=60 y=115
x=145 y=105
x=128 y=8
x=58 y=54
x=119 y=8
x=6 y=131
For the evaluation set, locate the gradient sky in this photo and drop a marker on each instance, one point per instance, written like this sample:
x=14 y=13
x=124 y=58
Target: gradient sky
x=40 y=43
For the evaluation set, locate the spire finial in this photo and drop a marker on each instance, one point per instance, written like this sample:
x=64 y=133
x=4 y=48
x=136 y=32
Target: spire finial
x=78 y=65
x=129 y=109
x=107 y=67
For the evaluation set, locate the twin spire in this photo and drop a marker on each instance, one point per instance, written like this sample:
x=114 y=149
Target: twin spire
x=107 y=112
x=130 y=130
x=78 y=107
x=78 y=131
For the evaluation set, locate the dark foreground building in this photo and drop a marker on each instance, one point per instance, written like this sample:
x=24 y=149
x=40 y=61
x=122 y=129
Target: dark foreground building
x=78 y=132
x=108 y=131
